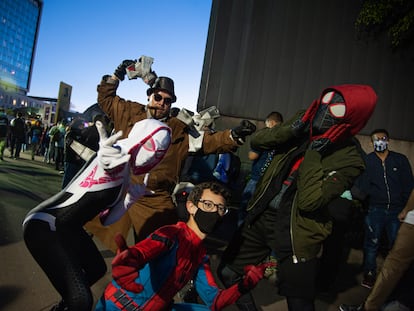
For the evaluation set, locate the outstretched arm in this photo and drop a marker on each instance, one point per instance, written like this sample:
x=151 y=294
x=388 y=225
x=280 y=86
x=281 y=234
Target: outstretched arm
x=217 y=298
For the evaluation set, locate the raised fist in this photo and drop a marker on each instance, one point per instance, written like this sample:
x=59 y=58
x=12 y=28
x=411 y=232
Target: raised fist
x=301 y=125
x=120 y=71
x=240 y=132
x=332 y=135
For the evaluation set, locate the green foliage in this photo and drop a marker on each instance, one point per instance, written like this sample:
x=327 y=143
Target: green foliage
x=394 y=17
x=402 y=29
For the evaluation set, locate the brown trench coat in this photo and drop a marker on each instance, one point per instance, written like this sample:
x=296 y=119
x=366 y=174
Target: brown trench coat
x=151 y=212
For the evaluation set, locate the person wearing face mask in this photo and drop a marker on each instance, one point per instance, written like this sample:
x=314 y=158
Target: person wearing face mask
x=157 y=209
x=147 y=275
x=314 y=162
x=387 y=183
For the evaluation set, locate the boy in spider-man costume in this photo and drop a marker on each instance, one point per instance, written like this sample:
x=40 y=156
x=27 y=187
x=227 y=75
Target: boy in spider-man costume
x=53 y=231
x=149 y=274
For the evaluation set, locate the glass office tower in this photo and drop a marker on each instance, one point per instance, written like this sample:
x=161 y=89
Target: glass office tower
x=19 y=24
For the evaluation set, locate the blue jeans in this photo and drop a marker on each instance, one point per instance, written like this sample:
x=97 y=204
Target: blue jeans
x=245 y=198
x=376 y=221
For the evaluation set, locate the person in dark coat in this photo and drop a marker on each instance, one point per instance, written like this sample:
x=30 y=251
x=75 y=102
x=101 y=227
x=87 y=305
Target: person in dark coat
x=18 y=135
x=315 y=161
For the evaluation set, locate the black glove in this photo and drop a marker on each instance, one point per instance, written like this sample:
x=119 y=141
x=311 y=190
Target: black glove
x=120 y=71
x=332 y=135
x=240 y=132
x=301 y=125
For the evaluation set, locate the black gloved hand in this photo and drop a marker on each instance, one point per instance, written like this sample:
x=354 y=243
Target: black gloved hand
x=240 y=132
x=332 y=135
x=301 y=125
x=120 y=71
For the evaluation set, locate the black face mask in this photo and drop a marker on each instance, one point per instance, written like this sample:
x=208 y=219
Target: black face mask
x=323 y=119
x=206 y=221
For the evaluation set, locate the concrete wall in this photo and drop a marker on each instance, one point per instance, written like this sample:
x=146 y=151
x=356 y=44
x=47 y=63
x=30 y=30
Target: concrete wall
x=279 y=55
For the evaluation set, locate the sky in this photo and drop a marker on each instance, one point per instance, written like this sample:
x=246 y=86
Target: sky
x=82 y=40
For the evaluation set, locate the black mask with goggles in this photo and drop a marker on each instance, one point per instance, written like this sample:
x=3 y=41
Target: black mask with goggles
x=331 y=111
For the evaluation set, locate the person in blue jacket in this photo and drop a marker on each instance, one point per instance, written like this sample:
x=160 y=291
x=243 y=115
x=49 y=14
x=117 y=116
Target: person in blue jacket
x=387 y=182
x=149 y=274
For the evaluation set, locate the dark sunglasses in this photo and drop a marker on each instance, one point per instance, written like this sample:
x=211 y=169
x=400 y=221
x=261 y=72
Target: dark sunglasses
x=158 y=98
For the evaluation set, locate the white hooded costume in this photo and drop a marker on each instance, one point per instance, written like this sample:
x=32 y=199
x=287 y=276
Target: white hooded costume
x=53 y=230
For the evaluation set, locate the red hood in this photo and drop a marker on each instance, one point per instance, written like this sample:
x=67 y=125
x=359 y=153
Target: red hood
x=360 y=101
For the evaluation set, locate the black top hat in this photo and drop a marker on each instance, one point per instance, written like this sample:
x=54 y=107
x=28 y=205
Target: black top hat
x=163 y=84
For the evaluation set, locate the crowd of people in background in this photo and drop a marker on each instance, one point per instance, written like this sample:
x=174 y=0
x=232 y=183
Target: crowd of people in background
x=48 y=142
x=19 y=134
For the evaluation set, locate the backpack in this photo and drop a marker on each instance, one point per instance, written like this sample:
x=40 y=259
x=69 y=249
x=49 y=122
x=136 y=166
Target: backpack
x=55 y=135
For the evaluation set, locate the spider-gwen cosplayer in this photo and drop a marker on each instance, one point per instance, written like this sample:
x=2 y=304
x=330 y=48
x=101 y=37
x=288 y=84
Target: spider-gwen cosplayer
x=53 y=231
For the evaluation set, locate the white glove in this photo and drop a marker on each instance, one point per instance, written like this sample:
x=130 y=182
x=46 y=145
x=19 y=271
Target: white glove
x=109 y=156
x=135 y=191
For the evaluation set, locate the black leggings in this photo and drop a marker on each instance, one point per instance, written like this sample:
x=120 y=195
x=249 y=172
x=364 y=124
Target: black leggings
x=53 y=233
x=70 y=260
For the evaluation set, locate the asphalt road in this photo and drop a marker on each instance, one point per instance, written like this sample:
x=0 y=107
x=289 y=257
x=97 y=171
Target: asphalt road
x=24 y=287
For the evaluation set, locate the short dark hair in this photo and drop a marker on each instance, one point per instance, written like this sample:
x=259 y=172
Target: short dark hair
x=215 y=187
x=275 y=116
x=101 y=117
x=76 y=123
x=376 y=131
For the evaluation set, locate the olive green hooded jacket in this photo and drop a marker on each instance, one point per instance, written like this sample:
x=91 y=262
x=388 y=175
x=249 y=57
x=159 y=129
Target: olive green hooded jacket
x=321 y=177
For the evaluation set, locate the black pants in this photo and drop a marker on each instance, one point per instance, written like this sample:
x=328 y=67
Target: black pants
x=252 y=244
x=71 y=261
x=16 y=146
x=59 y=158
x=54 y=235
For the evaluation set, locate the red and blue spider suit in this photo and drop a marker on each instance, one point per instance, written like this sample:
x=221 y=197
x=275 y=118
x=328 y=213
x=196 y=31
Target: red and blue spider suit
x=149 y=274
x=53 y=231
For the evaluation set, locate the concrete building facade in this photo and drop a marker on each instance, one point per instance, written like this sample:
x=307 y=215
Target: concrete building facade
x=279 y=55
